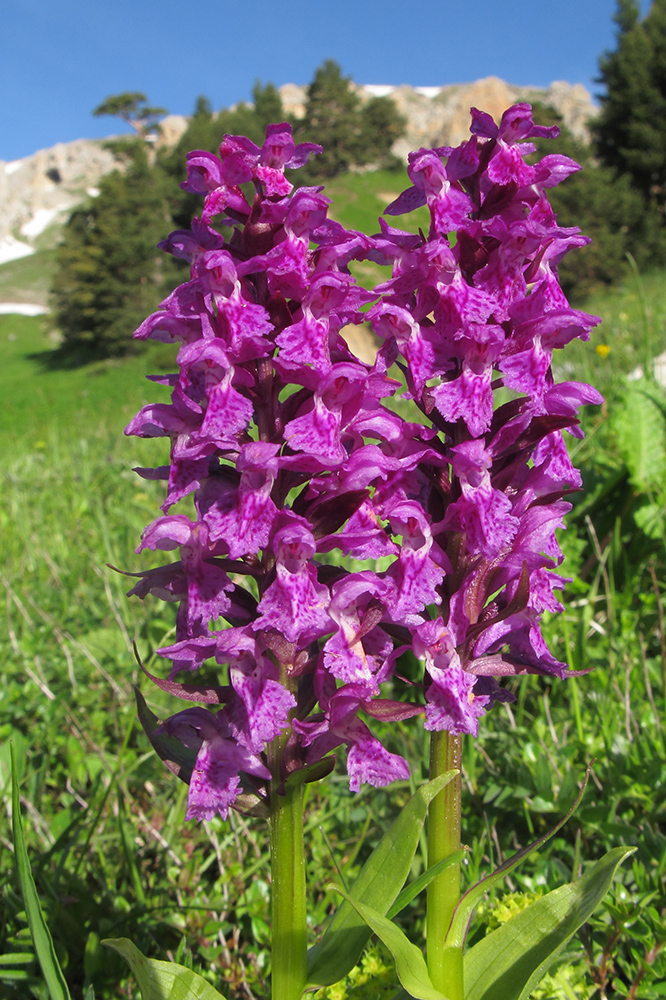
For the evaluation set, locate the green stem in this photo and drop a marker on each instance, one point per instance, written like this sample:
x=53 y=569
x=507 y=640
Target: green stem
x=288 y=911
x=445 y=965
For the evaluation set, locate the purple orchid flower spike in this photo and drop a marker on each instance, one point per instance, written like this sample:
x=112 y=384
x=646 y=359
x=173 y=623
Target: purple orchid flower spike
x=295 y=469
x=486 y=314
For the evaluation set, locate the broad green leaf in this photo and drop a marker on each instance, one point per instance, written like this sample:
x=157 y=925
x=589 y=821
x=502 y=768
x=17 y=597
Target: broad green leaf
x=641 y=434
x=377 y=885
x=463 y=912
x=510 y=961
x=650 y=519
x=422 y=882
x=41 y=936
x=410 y=964
x=162 y=980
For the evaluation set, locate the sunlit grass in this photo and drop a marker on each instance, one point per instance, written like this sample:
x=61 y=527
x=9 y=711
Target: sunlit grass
x=104 y=821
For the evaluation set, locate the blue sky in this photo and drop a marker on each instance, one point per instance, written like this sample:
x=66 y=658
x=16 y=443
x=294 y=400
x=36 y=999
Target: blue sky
x=61 y=58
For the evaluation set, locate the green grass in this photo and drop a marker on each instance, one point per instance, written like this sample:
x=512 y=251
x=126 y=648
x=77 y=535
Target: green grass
x=28 y=279
x=633 y=329
x=105 y=823
x=75 y=403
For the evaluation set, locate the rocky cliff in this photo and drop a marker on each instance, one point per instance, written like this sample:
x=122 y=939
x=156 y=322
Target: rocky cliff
x=36 y=190
x=439 y=116
x=41 y=188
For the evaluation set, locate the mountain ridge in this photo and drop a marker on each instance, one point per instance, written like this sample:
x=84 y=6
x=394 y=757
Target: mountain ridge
x=39 y=190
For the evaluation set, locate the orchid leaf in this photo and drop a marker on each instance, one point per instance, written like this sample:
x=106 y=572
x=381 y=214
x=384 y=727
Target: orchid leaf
x=162 y=980
x=463 y=912
x=41 y=936
x=511 y=961
x=422 y=882
x=313 y=772
x=378 y=885
x=410 y=964
x=177 y=757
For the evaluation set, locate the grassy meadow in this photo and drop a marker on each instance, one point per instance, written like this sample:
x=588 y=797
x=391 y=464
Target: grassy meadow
x=111 y=853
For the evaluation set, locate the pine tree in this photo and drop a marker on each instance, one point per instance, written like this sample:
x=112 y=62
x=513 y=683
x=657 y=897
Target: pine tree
x=333 y=115
x=630 y=130
x=267 y=103
x=606 y=207
x=351 y=133
x=110 y=274
x=132 y=107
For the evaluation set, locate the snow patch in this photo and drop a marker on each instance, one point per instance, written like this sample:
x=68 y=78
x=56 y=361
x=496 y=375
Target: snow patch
x=39 y=222
x=13 y=166
x=379 y=89
x=22 y=308
x=384 y=89
x=12 y=249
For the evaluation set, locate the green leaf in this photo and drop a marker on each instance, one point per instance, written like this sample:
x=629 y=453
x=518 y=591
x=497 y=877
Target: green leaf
x=162 y=980
x=177 y=757
x=41 y=936
x=313 y=772
x=650 y=519
x=641 y=434
x=377 y=885
x=422 y=882
x=409 y=961
x=463 y=912
x=510 y=961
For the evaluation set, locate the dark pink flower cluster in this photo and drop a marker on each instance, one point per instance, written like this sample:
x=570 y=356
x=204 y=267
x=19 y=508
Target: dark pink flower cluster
x=472 y=315
x=298 y=478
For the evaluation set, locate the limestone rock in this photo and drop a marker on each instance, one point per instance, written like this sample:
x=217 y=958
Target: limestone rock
x=49 y=182
x=171 y=129
x=37 y=189
x=439 y=116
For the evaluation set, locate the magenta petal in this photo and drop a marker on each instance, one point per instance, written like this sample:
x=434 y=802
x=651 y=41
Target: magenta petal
x=317 y=433
x=469 y=397
x=306 y=342
x=368 y=762
x=215 y=781
x=262 y=709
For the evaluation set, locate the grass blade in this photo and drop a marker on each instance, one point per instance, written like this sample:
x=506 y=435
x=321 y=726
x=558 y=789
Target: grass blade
x=41 y=936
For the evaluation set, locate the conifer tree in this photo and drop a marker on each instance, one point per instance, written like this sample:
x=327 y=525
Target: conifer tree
x=606 y=207
x=351 y=133
x=630 y=130
x=132 y=107
x=109 y=270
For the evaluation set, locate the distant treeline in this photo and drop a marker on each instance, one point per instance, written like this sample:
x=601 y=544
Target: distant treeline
x=110 y=275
